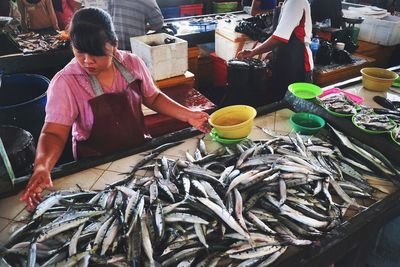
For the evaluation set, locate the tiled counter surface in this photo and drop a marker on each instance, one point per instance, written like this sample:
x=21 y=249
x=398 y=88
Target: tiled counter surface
x=13 y=212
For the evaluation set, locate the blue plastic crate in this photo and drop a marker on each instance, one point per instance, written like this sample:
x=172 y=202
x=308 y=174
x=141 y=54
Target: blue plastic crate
x=170 y=12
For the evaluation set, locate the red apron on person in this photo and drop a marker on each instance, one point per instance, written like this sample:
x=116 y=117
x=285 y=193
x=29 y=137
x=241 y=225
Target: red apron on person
x=118 y=121
x=288 y=62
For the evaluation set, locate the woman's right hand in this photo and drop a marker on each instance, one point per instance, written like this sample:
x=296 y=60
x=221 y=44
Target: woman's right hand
x=245 y=54
x=39 y=181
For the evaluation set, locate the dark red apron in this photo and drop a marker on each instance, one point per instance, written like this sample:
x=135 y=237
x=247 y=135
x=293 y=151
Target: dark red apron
x=287 y=64
x=118 y=121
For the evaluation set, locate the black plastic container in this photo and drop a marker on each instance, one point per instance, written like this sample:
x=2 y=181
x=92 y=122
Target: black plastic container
x=246 y=75
x=238 y=74
x=20 y=149
x=258 y=75
x=22 y=102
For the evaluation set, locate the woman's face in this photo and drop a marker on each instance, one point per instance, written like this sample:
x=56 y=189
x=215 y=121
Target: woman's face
x=94 y=65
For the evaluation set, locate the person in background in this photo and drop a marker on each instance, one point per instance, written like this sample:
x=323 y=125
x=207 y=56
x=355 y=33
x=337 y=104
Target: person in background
x=262 y=6
x=99 y=94
x=4 y=8
x=14 y=12
x=292 y=58
x=134 y=18
x=65 y=9
x=327 y=9
x=393 y=7
x=37 y=15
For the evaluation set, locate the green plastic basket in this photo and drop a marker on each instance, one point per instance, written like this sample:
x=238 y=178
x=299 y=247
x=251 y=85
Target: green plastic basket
x=223 y=7
x=226 y=141
x=373 y=131
x=396 y=83
x=358 y=107
x=305 y=90
x=306 y=123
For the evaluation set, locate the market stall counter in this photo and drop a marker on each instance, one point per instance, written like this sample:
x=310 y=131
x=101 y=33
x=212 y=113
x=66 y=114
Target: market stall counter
x=333 y=73
x=196 y=213
x=45 y=63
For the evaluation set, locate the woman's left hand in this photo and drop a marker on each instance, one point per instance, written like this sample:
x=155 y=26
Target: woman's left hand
x=199 y=120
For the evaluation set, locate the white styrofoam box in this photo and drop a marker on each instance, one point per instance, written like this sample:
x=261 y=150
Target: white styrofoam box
x=163 y=60
x=228 y=42
x=365 y=12
x=385 y=31
x=227 y=27
x=227 y=48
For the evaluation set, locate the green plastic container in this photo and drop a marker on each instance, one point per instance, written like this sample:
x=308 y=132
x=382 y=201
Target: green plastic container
x=372 y=131
x=396 y=83
x=223 y=7
x=306 y=123
x=226 y=141
x=355 y=33
x=358 y=107
x=305 y=90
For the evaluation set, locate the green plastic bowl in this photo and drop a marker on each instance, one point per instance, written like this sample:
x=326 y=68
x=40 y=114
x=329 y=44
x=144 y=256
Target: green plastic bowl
x=396 y=83
x=225 y=141
x=305 y=90
x=373 y=131
x=306 y=123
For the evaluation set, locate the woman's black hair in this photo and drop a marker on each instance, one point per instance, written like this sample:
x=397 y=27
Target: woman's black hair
x=90 y=30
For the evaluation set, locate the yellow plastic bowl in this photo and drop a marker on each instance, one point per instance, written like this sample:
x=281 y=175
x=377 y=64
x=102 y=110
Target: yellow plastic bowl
x=233 y=122
x=377 y=79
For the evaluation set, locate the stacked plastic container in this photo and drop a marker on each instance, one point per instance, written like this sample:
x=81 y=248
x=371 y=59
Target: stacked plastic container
x=223 y=7
x=219 y=71
x=191 y=10
x=378 y=27
x=385 y=31
x=171 y=12
x=173 y=9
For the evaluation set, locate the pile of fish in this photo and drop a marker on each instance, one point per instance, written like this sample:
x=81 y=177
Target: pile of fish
x=34 y=42
x=368 y=120
x=238 y=205
x=210 y=19
x=338 y=103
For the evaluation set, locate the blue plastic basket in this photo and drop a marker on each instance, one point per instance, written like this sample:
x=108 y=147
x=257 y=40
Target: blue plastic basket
x=170 y=12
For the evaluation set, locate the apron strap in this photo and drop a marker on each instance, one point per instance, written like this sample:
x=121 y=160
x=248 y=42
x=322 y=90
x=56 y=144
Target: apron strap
x=124 y=71
x=96 y=86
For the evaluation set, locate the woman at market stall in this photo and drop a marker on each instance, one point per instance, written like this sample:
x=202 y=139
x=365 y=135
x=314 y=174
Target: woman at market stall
x=99 y=94
x=291 y=57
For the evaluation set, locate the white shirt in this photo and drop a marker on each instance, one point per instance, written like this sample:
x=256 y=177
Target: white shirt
x=295 y=18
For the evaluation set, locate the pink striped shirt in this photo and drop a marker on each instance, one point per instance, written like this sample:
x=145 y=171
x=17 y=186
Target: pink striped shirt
x=70 y=90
